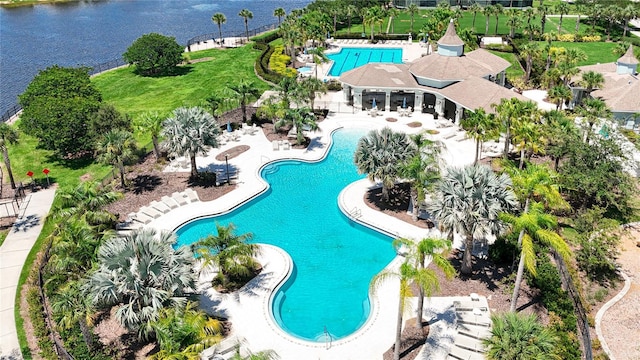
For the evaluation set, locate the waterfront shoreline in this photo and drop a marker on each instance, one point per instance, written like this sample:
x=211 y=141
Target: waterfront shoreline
x=12 y=4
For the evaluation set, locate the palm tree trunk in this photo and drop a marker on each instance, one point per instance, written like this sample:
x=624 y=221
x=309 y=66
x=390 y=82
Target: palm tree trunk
x=420 y=307
x=529 y=66
x=156 y=147
x=473 y=23
x=86 y=334
x=477 y=158
x=385 y=193
x=121 y=168
x=521 y=159
x=396 y=347
x=507 y=140
x=243 y=106
x=516 y=286
x=194 y=167
x=246 y=28
x=467 y=264
x=486 y=26
x=578 y=23
x=414 y=200
x=7 y=164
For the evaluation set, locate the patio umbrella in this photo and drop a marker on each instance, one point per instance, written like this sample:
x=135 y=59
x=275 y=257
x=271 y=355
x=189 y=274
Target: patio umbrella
x=373 y=103
x=404 y=103
x=229 y=126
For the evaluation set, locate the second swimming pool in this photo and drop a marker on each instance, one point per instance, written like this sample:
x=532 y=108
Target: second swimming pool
x=351 y=58
x=334 y=258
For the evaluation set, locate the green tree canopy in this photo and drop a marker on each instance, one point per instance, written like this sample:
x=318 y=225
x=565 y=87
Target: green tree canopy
x=58 y=106
x=154 y=54
x=520 y=337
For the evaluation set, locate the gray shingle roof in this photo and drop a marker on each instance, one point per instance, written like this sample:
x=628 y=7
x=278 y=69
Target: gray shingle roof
x=629 y=57
x=450 y=37
x=621 y=92
x=478 y=63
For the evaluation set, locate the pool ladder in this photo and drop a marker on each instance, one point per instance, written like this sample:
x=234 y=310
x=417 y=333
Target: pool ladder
x=327 y=338
x=356 y=213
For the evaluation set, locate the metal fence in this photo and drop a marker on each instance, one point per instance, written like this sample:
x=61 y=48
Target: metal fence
x=228 y=34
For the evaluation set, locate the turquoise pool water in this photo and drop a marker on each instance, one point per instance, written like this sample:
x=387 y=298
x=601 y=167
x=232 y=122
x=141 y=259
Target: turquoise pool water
x=334 y=258
x=351 y=58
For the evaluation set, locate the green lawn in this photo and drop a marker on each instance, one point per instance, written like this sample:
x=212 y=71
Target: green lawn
x=597 y=52
x=134 y=94
x=516 y=69
x=3 y=235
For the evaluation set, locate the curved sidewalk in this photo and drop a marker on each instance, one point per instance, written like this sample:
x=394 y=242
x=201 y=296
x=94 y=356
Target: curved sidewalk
x=13 y=253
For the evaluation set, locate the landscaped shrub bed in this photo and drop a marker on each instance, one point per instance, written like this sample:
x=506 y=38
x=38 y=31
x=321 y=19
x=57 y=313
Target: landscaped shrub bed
x=266 y=37
x=279 y=61
x=262 y=63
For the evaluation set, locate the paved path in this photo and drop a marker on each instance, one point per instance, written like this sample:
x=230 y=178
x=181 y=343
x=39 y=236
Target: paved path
x=13 y=253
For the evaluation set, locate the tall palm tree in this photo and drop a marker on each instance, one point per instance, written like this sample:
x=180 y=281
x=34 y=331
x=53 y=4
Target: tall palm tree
x=246 y=15
x=535 y=183
x=8 y=136
x=543 y=10
x=422 y=170
x=497 y=11
x=475 y=9
x=580 y=7
x=561 y=8
x=245 y=92
x=219 y=19
x=428 y=250
x=520 y=337
x=86 y=201
x=319 y=57
x=190 y=132
x=280 y=13
x=628 y=13
x=373 y=16
x=308 y=89
x=592 y=110
x=469 y=202
x=183 y=333
x=558 y=94
x=513 y=21
x=481 y=126
x=142 y=273
x=508 y=111
x=591 y=80
x=379 y=155
x=562 y=133
x=350 y=11
x=529 y=51
x=301 y=119
x=412 y=9
x=227 y=253
x=487 y=11
x=150 y=123
x=115 y=148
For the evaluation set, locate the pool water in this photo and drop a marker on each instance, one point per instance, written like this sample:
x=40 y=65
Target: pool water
x=351 y=58
x=305 y=70
x=334 y=258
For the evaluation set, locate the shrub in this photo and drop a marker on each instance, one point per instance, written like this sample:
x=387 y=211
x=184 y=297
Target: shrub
x=502 y=251
x=262 y=63
x=154 y=54
x=267 y=37
x=591 y=38
x=499 y=47
x=279 y=61
x=566 y=37
x=334 y=85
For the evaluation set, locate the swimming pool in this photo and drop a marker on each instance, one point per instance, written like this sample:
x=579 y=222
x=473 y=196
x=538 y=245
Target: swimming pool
x=334 y=258
x=351 y=58
x=305 y=70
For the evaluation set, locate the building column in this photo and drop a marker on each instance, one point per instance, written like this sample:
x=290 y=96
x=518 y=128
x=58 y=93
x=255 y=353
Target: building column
x=357 y=98
x=347 y=92
x=503 y=78
x=459 y=113
x=439 y=105
x=417 y=101
x=387 y=100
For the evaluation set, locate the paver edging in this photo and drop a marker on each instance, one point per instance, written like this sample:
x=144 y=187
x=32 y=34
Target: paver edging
x=605 y=307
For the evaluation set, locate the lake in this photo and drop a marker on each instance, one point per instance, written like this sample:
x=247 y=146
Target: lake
x=93 y=32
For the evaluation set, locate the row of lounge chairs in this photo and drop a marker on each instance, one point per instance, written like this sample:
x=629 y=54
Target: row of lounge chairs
x=155 y=209
x=367 y=41
x=473 y=324
x=281 y=145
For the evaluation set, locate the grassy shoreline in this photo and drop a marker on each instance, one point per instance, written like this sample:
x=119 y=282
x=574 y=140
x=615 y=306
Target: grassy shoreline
x=18 y=3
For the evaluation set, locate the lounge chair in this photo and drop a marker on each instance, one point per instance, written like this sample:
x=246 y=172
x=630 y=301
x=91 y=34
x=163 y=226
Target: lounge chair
x=471 y=319
x=170 y=202
x=476 y=332
x=150 y=211
x=464 y=354
x=286 y=145
x=160 y=206
x=276 y=145
x=179 y=198
x=191 y=195
x=142 y=218
x=469 y=343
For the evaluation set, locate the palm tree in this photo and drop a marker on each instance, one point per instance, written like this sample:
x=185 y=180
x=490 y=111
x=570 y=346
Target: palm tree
x=487 y=11
x=520 y=337
x=260 y=355
x=245 y=91
x=142 y=273
x=628 y=13
x=86 y=201
x=481 y=126
x=535 y=183
x=379 y=155
x=562 y=133
x=308 y=88
x=469 y=202
x=508 y=111
x=183 y=333
x=529 y=51
x=115 y=148
x=428 y=250
x=190 y=132
x=513 y=22
x=422 y=170
x=475 y=9
x=528 y=137
x=373 y=16
x=592 y=110
x=412 y=9
x=71 y=307
x=8 y=135
x=497 y=10
x=591 y=80
x=612 y=14
x=280 y=13
x=558 y=94
x=543 y=10
x=227 y=253
x=580 y=7
x=350 y=11
x=150 y=123
x=300 y=119
x=219 y=19
x=563 y=9
x=319 y=57
x=246 y=15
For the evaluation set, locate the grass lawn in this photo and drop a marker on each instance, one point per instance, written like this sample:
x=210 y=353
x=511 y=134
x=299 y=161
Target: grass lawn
x=516 y=69
x=597 y=52
x=3 y=235
x=217 y=68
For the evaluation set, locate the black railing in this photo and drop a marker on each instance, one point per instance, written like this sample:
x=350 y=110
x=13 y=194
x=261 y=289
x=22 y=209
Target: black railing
x=227 y=34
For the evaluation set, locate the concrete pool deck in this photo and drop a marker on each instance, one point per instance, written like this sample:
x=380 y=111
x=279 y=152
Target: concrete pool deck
x=249 y=309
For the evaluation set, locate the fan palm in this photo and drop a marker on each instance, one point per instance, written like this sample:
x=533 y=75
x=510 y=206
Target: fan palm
x=487 y=11
x=520 y=337
x=245 y=14
x=142 y=273
x=591 y=80
x=558 y=94
x=319 y=57
x=301 y=119
x=245 y=91
x=412 y=9
x=592 y=111
x=219 y=19
x=509 y=111
x=561 y=134
x=190 y=132
x=475 y=9
x=481 y=126
x=115 y=148
x=379 y=155
x=469 y=202
x=228 y=253
x=561 y=8
x=150 y=123
x=8 y=136
x=280 y=13
x=498 y=9
x=308 y=89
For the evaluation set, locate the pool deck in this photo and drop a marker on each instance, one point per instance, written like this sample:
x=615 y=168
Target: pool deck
x=249 y=308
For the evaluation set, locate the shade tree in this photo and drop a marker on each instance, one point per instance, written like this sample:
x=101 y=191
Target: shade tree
x=154 y=54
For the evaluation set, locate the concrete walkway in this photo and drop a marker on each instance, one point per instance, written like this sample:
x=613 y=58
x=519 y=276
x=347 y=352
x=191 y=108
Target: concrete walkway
x=13 y=254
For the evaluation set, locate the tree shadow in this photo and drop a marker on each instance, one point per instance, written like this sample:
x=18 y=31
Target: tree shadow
x=399 y=197
x=70 y=163
x=484 y=270
x=176 y=71
x=145 y=183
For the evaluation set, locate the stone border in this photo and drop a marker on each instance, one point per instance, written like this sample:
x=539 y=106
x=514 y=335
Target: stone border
x=605 y=307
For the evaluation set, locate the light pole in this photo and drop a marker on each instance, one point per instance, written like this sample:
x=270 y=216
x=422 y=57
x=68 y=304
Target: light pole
x=226 y=160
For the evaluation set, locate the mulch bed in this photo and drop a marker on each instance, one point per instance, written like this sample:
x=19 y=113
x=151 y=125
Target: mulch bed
x=414 y=124
x=233 y=152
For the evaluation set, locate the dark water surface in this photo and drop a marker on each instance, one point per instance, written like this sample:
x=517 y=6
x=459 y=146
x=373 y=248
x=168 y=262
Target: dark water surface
x=93 y=32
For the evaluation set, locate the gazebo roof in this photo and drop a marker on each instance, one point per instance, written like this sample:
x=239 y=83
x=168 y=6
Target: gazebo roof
x=450 y=37
x=619 y=91
x=629 y=57
x=479 y=63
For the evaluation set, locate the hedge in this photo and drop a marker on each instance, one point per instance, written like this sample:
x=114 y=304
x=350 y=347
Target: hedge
x=262 y=63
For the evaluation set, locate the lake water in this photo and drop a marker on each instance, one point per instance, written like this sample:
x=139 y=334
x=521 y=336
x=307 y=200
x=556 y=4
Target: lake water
x=93 y=32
